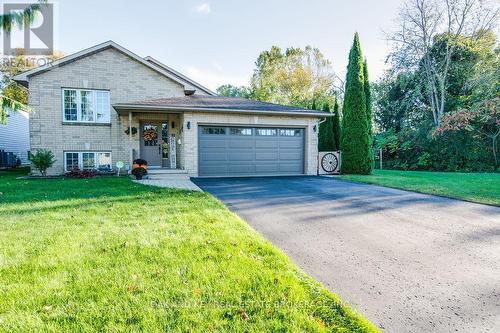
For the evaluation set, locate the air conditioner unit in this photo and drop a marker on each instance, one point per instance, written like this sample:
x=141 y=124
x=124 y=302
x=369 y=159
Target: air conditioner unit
x=329 y=163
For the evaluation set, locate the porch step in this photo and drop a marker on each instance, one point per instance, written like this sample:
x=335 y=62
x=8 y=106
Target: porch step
x=162 y=171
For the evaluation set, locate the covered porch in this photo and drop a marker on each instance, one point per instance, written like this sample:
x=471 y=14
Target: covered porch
x=154 y=136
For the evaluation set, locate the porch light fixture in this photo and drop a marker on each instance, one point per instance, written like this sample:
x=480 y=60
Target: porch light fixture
x=188 y=125
x=173 y=124
x=315 y=128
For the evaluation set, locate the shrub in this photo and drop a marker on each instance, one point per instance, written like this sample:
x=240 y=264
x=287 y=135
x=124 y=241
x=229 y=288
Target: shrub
x=42 y=160
x=77 y=173
x=139 y=172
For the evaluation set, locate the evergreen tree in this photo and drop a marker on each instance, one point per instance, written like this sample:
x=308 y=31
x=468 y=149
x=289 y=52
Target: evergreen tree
x=326 y=141
x=336 y=126
x=369 y=110
x=355 y=140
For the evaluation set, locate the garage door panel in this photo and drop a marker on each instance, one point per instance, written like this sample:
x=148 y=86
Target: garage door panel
x=213 y=156
x=241 y=169
x=267 y=169
x=241 y=143
x=298 y=144
x=291 y=155
x=270 y=155
x=266 y=143
x=289 y=168
x=241 y=156
x=274 y=152
x=212 y=143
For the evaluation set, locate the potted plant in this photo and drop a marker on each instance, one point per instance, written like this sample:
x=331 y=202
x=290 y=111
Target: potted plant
x=139 y=172
x=140 y=163
x=134 y=130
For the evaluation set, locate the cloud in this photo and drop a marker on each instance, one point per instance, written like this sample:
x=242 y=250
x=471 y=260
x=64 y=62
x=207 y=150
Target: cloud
x=204 y=8
x=213 y=79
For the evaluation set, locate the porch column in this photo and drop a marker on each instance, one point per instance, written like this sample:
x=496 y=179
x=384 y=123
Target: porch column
x=131 y=157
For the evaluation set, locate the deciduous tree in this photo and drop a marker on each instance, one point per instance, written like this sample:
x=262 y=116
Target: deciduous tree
x=292 y=77
x=483 y=120
x=422 y=23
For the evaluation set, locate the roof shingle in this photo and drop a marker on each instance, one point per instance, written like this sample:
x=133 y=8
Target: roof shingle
x=219 y=103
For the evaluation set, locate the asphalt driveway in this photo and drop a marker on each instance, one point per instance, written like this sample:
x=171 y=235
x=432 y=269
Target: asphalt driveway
x=409 y=262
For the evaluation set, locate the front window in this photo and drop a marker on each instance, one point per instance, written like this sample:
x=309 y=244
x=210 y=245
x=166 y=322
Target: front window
x=103 y=161
x=70 y=105
x=90 y=106
x=71 y=161
x=102 y=106
x=88 y=161
x=100 y=161
x=86 y=105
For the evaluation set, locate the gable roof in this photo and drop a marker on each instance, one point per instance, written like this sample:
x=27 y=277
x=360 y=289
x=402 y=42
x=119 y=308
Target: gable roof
x=189 y=85
x=217 y=104
x=179 y=75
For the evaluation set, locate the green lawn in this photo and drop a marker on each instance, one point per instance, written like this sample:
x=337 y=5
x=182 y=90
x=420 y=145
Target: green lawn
x=477 y=187
x=107 y=254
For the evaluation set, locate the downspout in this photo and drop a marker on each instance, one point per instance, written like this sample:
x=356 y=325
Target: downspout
x=131 y=157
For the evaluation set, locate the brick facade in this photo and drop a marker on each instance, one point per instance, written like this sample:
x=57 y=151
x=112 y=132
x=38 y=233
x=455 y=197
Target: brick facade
x=126 y=79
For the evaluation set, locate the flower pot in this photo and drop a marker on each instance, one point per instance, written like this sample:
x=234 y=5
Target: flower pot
x=145 y=166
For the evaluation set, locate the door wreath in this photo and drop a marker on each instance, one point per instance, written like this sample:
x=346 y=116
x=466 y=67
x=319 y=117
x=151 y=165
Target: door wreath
x=150 y=135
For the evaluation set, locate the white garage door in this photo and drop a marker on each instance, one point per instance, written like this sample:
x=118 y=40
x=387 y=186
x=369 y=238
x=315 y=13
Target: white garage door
x=250 y=151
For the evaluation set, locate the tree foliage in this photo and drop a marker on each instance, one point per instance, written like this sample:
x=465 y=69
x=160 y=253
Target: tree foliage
x=292 y=77
x=326 y=139
x=336 y=125
x=355 y=141
x=229 y=90
x=20 y=18
x=428 y=34
x=404 y=125
x=482 y=120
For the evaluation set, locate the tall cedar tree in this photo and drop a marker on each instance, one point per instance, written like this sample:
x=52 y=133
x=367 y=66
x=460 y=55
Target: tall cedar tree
x=326 y=140
x=336 y=125
x=369 y=109
x=355 y=141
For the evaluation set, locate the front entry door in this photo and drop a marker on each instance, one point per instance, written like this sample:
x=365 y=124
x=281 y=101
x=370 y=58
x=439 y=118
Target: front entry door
x=151 y=143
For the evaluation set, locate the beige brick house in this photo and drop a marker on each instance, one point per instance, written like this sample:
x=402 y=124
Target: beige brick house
x=106 y=104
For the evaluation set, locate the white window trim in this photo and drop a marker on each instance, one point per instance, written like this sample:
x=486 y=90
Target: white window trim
x=80 y=158
x=79 y=106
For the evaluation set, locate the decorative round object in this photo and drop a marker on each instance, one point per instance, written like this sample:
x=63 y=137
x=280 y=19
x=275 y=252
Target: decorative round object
x=134 y=131
x=150 y=135
x=329 y=162
x=120 y=164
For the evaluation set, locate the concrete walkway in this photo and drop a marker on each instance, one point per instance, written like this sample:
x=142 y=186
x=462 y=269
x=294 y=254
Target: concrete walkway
x=178 y=181
x=409 y=262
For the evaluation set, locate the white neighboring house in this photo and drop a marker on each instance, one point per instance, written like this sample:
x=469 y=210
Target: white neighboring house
x=15 y=135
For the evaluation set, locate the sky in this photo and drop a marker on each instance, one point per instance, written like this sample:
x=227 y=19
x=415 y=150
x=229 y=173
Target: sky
x=217 y=41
